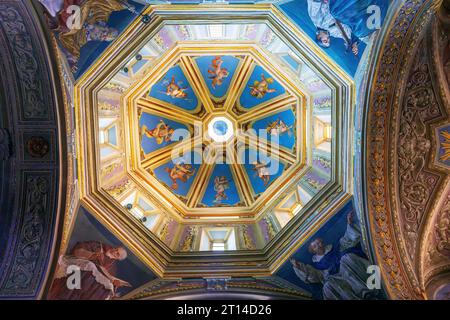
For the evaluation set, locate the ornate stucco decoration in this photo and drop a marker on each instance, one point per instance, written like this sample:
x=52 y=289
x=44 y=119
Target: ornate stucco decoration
x=404 y=186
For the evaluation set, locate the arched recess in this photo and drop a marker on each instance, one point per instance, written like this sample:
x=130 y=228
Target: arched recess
x=32 y=153
x=404 y=183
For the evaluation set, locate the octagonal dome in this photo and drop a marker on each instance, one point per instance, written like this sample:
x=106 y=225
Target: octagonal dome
x=213 y=136
x=217 y=129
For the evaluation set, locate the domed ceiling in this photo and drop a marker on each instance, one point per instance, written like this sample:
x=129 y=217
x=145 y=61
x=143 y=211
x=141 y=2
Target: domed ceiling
x=218 y=133
x=213 y=137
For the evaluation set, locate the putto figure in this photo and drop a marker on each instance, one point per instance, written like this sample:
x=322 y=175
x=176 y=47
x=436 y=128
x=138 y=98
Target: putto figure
x=161 y=133
x=341 y=268
x=279 y=128
x=97 y=263
x=180 y=172
x=344 y=19
x=261 y=88
x=263 y=172
x=217 y=73
x=174 y=89
x=221 y=184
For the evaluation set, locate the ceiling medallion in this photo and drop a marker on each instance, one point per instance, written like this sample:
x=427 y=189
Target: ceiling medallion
x=214 y=141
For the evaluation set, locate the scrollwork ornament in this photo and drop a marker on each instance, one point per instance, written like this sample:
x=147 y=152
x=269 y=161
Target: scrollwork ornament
x=28 y=68
x=5 y=144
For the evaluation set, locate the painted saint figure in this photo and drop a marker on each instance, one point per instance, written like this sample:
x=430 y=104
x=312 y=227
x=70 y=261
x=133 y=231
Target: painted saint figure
x=344 y=19
x=261 y=88
x=96 y=262
x=162 y=132
x=221 y=184
x=263 y=172
x=75 y=30
x=180 y=172
x=217 y=73
x=278 y=128
x=340 y=268
x=174 y=89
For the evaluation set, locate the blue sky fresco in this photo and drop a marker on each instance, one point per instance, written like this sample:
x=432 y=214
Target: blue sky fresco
x=331 y=233
x=87 y=228
x=248 y=101
x=275 y=169
x=93 y=49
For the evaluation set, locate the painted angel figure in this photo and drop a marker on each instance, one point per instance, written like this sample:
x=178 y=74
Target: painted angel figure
x=344 y=19
x=261 y=88
x=221 y=184
x=278 y=128
x=340 y=268
x=180 y=172
x=96 y=261
x=263 y=171
x=161 y=133
x=174 y=89
x=217 y=73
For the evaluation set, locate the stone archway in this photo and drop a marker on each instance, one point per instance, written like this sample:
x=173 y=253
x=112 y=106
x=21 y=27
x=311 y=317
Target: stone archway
x=32 y=145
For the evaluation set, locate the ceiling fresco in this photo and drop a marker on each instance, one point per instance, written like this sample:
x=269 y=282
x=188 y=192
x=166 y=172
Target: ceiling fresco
x=443 y=143
x=210 y=138
x=213 y=137
x=337 y=248
x=125 y=268
x=83 y=37
x=214 y=151
x=344 y=41
x=225 y=149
